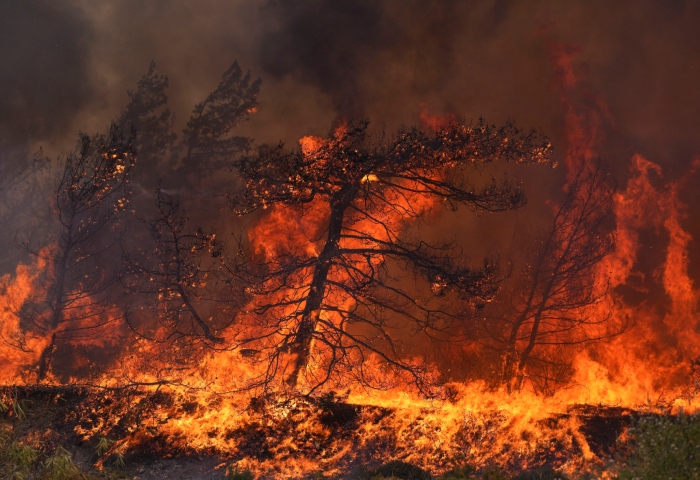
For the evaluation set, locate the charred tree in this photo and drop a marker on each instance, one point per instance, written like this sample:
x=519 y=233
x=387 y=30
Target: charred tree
x=181 y=274
x=560 y=299
x=92 y=192
x=340 y=303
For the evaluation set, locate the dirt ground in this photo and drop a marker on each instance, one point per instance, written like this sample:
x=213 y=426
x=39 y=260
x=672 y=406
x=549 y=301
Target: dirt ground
x=194 y=468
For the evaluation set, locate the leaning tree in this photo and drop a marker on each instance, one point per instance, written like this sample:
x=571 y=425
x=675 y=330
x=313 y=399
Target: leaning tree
x=331 y=307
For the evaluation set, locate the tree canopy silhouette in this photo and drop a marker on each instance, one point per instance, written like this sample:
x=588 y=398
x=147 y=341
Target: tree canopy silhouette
x=209 y=138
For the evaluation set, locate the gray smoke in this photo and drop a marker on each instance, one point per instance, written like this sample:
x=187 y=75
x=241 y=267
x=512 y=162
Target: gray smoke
x=45 y=76
x=67 y=66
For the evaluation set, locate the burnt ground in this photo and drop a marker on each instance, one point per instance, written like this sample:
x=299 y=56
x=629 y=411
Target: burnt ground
x=56 y=416
x=76 y=418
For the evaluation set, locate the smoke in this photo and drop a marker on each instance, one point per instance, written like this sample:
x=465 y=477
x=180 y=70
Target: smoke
x=341 y=47
x=67 y=67
x=44 y=76
x=325 y=44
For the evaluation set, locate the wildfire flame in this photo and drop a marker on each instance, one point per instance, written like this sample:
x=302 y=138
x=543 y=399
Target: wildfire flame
x=650 y=365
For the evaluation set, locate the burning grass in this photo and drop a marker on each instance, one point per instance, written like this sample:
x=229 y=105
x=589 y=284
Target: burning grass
x=116 y=433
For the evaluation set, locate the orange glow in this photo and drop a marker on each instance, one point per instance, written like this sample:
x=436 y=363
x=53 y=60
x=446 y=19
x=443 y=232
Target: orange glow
x=14 y=292
x=433 y=121
x=647 y=367
x=651 y=362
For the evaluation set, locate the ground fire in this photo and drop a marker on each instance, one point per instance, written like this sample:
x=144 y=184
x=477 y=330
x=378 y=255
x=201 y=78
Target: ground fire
x=334 y=309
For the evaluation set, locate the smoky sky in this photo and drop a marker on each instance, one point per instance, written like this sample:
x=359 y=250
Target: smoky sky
x=325 y=44
x=44 y=69
x=66 y=66
x=330 y=44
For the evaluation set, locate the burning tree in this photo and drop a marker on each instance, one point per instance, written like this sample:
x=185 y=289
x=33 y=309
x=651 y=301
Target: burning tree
x=177 y=270
x=92 y=191
x=559 y=300
x=339 y=300
x=179 y=273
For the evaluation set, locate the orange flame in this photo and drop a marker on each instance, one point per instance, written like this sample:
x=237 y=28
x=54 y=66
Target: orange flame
x=19 y=351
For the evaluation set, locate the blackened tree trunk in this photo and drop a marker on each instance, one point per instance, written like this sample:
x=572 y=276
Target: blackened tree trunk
x=300 y=344
x=92 y=192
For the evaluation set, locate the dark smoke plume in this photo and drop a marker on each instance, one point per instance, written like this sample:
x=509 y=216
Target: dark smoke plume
x=45 y=76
